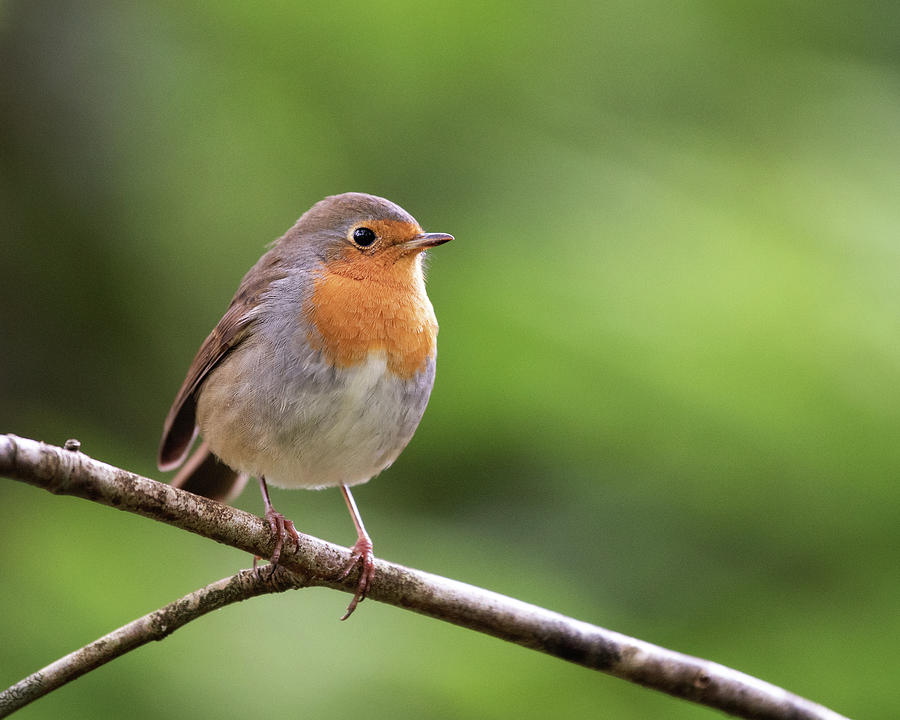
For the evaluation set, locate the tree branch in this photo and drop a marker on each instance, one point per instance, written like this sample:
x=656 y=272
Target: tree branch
x=316 y=562
x=153 y=626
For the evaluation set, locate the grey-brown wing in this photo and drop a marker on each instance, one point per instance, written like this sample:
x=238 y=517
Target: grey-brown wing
x=180 y=427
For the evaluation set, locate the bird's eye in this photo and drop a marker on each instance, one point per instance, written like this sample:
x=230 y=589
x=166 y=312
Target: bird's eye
x=364 y=236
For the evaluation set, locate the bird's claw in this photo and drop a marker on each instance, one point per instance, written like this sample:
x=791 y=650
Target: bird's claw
x=280 y=526
x=361 y=554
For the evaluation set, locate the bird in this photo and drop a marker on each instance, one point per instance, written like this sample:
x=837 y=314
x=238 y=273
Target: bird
x=319 y=371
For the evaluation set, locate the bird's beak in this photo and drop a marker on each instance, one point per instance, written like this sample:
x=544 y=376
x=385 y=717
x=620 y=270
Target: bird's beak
x=427 y=240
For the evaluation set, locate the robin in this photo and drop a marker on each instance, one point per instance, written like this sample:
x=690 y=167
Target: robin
x=320 y=370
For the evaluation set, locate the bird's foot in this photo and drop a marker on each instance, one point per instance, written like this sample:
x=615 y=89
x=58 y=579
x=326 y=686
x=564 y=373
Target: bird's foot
x=360 y=554
x=281 y=527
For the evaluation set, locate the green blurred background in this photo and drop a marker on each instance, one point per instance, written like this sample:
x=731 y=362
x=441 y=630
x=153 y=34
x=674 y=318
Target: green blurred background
x=667 y=395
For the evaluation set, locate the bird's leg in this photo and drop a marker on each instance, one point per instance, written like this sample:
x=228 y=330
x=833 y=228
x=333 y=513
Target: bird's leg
x=361 y=553
x=279 y=524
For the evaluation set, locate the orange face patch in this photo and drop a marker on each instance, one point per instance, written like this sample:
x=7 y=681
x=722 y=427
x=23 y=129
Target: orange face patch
x=391 y=232
x=367 y=302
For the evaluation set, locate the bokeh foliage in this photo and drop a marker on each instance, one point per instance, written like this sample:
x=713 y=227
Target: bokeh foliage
x=667 y=396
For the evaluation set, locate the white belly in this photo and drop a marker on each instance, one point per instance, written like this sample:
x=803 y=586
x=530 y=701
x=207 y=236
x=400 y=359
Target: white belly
x=319 y=430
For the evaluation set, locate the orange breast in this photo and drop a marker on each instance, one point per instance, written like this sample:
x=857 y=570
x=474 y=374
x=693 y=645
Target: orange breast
x=360 y=304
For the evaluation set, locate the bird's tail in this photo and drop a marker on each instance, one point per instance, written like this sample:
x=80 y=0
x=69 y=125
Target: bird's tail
x=204 y=474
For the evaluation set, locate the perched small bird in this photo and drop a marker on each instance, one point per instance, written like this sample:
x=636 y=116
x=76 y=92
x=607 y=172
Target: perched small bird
x=320 y=370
